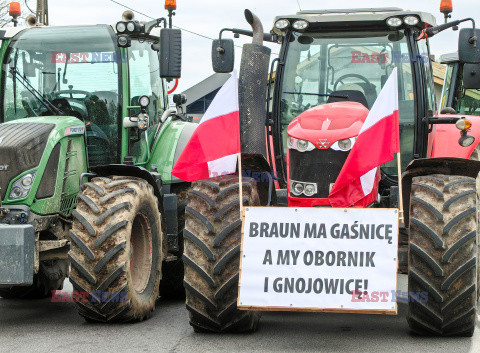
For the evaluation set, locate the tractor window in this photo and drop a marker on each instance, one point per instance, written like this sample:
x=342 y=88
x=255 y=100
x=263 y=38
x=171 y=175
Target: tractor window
x=427 y=65
x=145 y=78
x=446 y=86
x=321 y=68
x=466 y=101
x=76 y=70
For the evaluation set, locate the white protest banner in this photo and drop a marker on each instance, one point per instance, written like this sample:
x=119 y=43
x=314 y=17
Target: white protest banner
x=319 y=259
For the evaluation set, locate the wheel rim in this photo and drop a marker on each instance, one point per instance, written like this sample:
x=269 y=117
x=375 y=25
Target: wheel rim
x=140 y=253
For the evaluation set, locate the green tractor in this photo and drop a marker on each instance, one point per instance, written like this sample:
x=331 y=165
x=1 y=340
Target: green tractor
x=87 y=144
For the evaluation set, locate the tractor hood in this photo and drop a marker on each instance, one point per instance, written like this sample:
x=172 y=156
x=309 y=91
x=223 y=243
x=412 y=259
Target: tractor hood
x=21 y=148
x=27 y=144
x=326 y=124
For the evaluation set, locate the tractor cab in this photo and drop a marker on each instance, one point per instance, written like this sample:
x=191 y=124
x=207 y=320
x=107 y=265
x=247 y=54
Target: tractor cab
x=94 y=73
x=332 y=77
x=77 y=71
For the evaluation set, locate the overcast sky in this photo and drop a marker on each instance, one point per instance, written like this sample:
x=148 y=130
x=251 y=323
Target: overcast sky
x=207 y=17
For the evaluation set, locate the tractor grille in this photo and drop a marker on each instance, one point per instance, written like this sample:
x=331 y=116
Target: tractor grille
x=317 y=166
x=21 y=148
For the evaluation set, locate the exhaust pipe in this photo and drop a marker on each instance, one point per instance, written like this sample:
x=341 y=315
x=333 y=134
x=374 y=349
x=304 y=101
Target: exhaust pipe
x=31 y=21
x=252 y=90
x=128 y=15
x=257 y=27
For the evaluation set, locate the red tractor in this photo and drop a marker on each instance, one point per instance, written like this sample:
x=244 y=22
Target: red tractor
x=331 y=67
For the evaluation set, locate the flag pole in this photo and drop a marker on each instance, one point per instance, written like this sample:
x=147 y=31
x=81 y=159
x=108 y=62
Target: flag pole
x=240 y=183
x=400 y=188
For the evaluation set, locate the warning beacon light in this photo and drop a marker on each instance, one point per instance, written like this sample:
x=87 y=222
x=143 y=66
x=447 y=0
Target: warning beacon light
x=14 y=9
x=170 y=4
x=446 y=7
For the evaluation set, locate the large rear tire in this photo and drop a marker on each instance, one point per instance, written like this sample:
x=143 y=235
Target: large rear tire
x=212 y=255
x=443 y=256
x=116 y=249
x=50 y=277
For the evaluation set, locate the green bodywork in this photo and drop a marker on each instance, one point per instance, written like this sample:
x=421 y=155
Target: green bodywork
x=67 y=183
x=154 y=148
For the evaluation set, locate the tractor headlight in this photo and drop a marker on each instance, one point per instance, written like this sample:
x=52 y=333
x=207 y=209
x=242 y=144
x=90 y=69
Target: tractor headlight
x=22 y=186
x=466 y=140
x=144 y=101
x=300 y=25
x=297 y=188
x=290 y=141
x=344 y=145
x=282 y=24
x=121 y=27
x=299 y=145
x=310 y=189
x=411 y=20
x=302 y=145
x=124 y=41
x=130 y=26
x=394 y=22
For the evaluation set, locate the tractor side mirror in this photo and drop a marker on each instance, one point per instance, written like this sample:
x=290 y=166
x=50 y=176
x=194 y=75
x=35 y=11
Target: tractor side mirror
x=471 y=76
x=469 y=45
x=170 y=55
x=223 y=55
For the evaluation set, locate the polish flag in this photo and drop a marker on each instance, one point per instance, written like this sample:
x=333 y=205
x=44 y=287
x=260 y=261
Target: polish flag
x=214 y=146
x=376 y=144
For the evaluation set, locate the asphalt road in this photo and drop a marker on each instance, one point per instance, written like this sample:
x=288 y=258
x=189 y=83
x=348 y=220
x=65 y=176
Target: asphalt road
x=42 y=326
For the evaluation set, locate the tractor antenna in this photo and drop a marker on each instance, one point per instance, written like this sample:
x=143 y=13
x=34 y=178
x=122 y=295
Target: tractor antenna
x=298 y=2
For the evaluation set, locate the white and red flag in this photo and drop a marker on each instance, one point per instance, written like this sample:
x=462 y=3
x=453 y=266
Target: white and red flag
x=214 y=146
x=376 y=144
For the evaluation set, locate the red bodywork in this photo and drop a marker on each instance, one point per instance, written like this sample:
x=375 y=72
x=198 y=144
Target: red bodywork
x=323 y=126
x=443 y=140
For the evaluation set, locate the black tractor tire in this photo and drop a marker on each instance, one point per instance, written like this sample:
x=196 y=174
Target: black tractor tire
x=171 y=285
x=50 y=277
x=116 y=249
x=212 y=255
x=443 y=253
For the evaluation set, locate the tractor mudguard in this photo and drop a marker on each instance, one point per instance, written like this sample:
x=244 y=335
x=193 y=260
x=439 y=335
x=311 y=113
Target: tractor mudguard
x=428 y=166
x=153 y=178
x=172 y=139
x=445 y=137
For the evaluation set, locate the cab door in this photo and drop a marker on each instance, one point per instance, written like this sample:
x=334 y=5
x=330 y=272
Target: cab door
x=144 y=80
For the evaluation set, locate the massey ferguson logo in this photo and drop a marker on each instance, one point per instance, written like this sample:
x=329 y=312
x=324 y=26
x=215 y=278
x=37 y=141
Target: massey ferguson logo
x=4 y=167
x=323 y=143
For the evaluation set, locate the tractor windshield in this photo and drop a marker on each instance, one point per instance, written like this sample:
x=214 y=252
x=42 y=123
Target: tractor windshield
x=74 y=68
x=326 y=67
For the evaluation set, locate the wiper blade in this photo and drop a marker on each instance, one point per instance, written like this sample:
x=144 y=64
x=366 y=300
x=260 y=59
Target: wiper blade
x=25 y=83
x=318 y=94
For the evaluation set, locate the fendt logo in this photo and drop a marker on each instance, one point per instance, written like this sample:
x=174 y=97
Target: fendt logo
x=323 y=143
x=4 y=167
